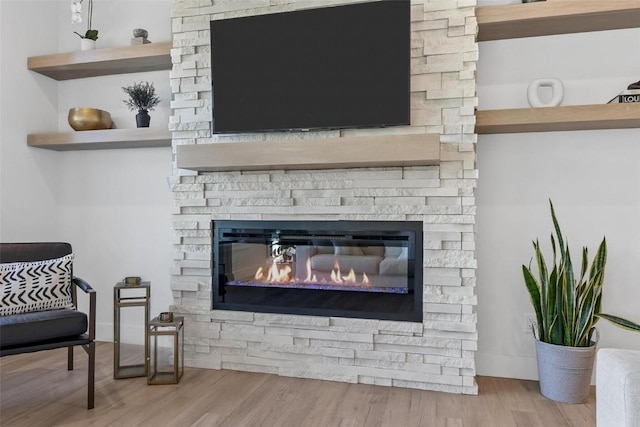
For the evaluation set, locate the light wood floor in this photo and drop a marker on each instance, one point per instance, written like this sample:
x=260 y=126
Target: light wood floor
x=37 y=390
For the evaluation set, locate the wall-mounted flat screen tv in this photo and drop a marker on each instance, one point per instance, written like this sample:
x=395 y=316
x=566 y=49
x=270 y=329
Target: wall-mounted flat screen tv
x=327 y=68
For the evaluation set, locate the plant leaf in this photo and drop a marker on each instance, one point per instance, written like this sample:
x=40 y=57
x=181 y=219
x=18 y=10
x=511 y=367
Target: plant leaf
x=585 y=322
x=583 y=269
x=619 y=321
x=534 y=295
x=556 y=331
x=569 y=299
x=543 y=277
x=598 y=264
x=557 y=228
x=91 y=34
x=585 y=263
x=554 y=328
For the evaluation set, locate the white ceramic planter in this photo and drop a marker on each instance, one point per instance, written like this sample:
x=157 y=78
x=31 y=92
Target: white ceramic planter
x=87 y=44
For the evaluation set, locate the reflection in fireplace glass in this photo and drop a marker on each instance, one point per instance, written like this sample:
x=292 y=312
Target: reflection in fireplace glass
x=339 y=268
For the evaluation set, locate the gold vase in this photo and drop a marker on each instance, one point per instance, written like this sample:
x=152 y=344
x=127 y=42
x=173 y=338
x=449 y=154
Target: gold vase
x=85 y=118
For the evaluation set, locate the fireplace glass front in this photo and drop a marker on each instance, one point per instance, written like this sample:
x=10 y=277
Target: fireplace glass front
x=361 y=269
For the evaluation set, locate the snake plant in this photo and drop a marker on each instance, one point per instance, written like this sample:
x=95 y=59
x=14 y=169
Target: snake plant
x=568 y=306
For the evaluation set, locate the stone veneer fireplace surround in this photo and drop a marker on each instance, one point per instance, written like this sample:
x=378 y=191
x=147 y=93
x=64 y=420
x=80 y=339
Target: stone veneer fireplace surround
x=436 y=354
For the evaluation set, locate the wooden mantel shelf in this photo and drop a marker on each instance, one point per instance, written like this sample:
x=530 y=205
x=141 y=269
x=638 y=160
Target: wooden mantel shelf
x=369 y=151
x=552 y=119
x=101 y=139
x=102 y=62
x=555 y=17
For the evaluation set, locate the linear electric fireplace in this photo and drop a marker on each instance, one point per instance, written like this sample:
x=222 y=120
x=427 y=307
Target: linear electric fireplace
x=361 y=269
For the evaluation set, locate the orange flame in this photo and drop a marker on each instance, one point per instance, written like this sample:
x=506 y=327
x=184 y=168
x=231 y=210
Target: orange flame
x=308 y=265
x=279 y=273
x=276 y=275
x=351 y=277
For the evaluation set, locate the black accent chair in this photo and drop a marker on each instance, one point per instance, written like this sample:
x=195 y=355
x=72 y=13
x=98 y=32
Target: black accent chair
x=47 y=330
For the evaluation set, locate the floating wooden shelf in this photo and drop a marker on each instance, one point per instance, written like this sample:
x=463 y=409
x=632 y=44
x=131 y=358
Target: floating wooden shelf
x=101 y=139
x=555 y=17
x=549 y=18
x=102 y=62
x=395 y=150
x=552 y=119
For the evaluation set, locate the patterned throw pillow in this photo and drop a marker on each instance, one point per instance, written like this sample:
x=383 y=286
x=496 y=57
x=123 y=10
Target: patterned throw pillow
x=35 y=286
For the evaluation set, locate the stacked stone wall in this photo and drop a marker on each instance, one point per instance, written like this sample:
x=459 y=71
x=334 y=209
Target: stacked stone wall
x=436 y=354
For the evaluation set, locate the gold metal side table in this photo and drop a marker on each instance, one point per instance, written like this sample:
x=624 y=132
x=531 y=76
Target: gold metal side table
x=129 y=297
x=165 y=361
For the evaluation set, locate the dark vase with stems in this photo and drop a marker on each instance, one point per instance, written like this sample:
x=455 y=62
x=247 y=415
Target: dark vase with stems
x=142 y=97
x=143 y=119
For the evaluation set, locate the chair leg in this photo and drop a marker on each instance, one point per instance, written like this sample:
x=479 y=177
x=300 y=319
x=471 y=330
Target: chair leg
x=91 y=352
x=70 y=358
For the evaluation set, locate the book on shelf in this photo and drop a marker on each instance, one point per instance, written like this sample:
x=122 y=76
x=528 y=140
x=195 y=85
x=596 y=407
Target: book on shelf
x=626 y=96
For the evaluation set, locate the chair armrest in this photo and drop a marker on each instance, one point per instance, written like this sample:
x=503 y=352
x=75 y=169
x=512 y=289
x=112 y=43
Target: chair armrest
x=92 y=304
x=82 y=284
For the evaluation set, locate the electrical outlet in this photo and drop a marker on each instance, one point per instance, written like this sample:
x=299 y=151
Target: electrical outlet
x=529 y=321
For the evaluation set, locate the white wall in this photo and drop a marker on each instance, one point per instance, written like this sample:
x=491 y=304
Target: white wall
x=28 y=101
x=591 y=176
x=113 y=206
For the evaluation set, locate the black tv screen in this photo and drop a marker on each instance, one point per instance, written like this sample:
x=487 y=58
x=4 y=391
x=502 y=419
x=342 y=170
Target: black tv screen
x=328 y=68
